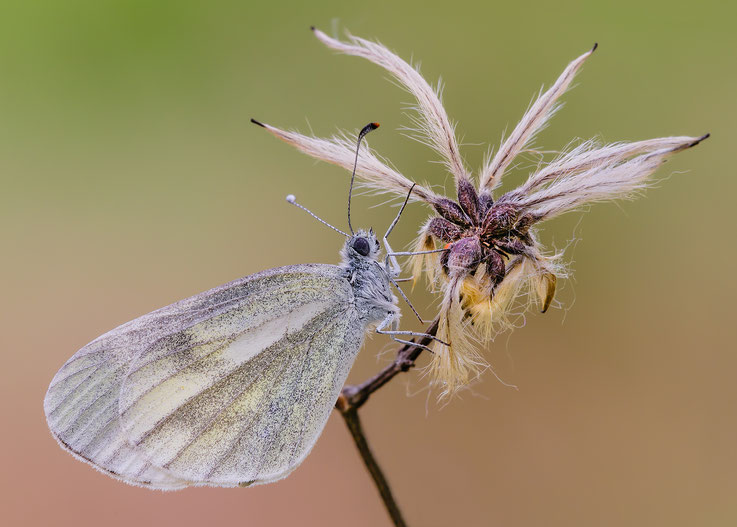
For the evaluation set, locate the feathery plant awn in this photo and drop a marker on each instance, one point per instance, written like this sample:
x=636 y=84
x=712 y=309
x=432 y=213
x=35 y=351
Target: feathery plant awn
x=491 y=254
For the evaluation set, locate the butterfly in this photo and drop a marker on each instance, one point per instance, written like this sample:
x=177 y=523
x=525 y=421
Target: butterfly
x=233 y=386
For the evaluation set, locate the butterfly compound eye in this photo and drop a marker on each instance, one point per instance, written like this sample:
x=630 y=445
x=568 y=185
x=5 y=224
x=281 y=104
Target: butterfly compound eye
x=361 y=246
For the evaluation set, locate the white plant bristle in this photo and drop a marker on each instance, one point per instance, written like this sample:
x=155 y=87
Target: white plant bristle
x=581 y=174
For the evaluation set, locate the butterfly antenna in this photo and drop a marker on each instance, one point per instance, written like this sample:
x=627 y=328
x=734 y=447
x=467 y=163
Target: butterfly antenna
x=366 y=129
x=293 y=200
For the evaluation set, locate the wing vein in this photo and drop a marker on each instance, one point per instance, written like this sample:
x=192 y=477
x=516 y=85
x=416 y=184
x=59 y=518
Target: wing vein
x=220 y=411
x=238 y=438
x=73 y=391
x=308 y=341
x=90 y=405
x=304 y=421
x=161 y=421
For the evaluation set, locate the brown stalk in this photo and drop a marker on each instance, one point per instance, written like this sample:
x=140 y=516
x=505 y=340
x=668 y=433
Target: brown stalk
x=352 y=397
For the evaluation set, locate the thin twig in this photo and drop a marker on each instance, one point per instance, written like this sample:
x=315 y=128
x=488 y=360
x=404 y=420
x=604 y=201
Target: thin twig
x=356 y=395
x=354 y=425
x=353 y=397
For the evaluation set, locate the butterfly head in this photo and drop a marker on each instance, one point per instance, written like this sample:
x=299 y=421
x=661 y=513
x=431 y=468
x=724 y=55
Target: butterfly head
x=362 y=245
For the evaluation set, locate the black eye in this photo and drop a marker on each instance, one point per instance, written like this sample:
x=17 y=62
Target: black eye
x=361 y=246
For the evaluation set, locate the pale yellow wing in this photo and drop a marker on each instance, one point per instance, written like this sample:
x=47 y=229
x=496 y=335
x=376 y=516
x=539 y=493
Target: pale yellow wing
x=82 y=402
x=241 y=398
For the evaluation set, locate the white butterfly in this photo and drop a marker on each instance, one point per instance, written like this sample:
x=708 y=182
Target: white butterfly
x=229 y=387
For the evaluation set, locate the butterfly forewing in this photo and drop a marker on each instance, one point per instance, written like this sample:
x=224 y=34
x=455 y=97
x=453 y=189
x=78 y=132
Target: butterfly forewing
x=229 y=386
x=238 y=397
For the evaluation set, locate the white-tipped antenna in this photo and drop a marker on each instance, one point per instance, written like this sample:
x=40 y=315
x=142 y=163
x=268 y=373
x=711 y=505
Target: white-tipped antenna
x=293 y=200
x=366 y=129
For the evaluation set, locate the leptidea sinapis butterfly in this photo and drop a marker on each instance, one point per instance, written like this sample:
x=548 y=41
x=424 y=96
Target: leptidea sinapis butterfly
x=232 y=386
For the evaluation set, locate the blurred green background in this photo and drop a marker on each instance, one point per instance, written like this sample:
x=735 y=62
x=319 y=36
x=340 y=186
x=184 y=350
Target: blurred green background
x=131 y=178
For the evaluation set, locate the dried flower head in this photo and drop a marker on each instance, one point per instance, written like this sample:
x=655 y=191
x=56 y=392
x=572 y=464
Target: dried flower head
x=492 y=256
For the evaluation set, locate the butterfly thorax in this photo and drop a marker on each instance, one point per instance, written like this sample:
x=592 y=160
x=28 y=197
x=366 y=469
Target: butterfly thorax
x=368 y=277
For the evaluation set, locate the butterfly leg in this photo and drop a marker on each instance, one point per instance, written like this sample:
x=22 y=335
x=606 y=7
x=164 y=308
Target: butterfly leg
x=414 y=344
x=394 y=264
x=392 y=254
x=395 y=270
x=394 y=282
x=392 y=320
x=390 y=262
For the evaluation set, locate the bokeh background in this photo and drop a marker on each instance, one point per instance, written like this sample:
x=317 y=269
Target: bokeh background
x=131 y=178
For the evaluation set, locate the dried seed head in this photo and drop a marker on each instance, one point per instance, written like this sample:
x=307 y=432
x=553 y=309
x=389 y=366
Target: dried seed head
x=493 y=265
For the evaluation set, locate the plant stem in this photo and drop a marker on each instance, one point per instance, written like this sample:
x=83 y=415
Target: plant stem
x=354 y=425
x=353 y=397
